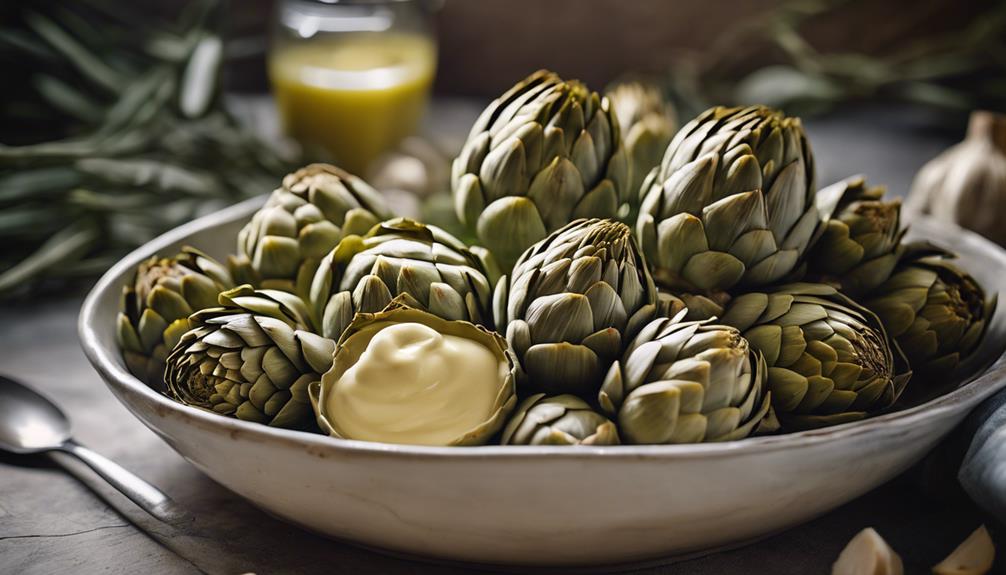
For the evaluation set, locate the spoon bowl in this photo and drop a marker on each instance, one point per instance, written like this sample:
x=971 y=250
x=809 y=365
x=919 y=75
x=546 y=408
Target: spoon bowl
x=29 y=421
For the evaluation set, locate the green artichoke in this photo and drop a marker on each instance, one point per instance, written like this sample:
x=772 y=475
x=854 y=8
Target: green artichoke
x=300 y=223
x=406 y=408
x=830 y=360
x=731 y=204
x=861 y=243
x=431 y=267
x=252 y=359
x=648 y=122
x=936 y=312
x=688 y=382
x=559 y=420
x=574 y=300
x=544 y=153
x=156 y=305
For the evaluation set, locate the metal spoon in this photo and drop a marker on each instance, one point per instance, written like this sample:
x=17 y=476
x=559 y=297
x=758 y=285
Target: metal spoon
x=30 y=423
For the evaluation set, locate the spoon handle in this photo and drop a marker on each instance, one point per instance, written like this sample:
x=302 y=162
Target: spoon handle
x=148 y=497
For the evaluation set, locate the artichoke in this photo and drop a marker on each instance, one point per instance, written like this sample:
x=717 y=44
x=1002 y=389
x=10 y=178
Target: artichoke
x=648 y=122
x=688 y=382
x=559 y=420
x=403 y=375
x=830 y=360
x=936 y=312
x=544 y=153
x=861 y=243
x=252 y=359
x=300 y=223
x=731 y=204
x=157 y=303
x=433 y=269
x=574 y=300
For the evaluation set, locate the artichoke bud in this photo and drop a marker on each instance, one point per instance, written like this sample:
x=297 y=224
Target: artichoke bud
x=543 y=153
x=251 y=358
x=558 y=420
x=936 y=312
x=829 y=359
x=300 y=223
x=156 y=305
x=648 y=122
x=688 y=382
x=403 y=375
x=431 y=267
x=573 y=301
x=861 y=243
x=731 y=204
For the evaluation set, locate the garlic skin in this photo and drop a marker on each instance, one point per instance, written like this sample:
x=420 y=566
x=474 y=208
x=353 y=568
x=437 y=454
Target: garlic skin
x=966 y=184
x=974 y=556
x=868 y=554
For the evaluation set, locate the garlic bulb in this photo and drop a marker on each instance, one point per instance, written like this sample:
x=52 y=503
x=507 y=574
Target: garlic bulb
x=966 y=184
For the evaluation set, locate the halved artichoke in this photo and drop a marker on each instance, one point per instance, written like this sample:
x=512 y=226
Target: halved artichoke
x=688 y=382
x=155 y=308
x=252 y=358
x=353 y=403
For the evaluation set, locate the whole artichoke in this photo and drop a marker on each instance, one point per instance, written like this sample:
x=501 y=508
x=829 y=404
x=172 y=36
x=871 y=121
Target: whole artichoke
x=252 y=359
x=936 y=312
x=732 y=202
x=688 y=382
x=300 y=223
x=544 y=153
x=559 y=420
x=431 y=267
x=156 y=305
x=574 y=300
x=648 y=122
x=406 y=409
x=830 y=360
x=861 y=243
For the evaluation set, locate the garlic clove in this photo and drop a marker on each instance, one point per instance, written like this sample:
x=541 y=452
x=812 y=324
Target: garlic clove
x=972 y=557
x=868 y=554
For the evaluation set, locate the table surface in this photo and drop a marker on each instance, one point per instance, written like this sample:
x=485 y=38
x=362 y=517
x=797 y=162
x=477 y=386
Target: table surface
x=52 y=521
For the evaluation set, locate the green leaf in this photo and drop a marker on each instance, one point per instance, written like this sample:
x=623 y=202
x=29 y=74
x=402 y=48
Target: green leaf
x=89 y=64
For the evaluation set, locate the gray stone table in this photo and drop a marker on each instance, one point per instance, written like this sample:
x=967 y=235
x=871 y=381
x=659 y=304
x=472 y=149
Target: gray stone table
x=52 y=521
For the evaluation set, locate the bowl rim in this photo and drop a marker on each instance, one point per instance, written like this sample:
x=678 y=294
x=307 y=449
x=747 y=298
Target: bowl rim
x=121 y=382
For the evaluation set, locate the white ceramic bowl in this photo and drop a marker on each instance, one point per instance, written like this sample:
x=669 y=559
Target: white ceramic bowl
x=537 y=505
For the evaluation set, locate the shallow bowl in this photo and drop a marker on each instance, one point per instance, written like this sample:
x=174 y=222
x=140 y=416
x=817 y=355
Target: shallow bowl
x=540 y=505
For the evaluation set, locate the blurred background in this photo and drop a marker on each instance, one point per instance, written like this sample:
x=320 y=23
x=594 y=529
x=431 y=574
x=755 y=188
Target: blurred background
x=120 y=120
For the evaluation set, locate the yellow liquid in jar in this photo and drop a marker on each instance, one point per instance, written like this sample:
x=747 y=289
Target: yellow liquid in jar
x=355 y=96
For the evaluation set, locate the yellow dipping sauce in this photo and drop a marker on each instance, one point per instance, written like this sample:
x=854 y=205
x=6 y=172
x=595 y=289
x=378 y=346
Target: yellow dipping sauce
x=414 y=385
x=357 y=95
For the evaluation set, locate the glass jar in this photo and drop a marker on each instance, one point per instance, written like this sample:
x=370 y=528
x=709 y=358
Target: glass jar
x=352 y=77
